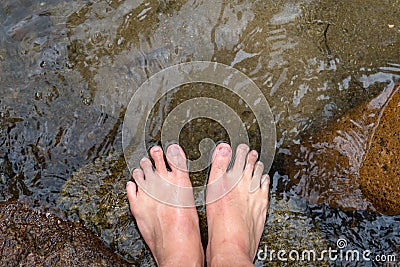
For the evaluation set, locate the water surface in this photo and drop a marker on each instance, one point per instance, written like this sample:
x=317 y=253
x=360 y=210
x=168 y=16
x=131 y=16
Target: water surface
x=69 y=68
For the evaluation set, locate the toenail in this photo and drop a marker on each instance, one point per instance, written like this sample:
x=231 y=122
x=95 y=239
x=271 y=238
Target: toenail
x=223 y=151
x=254 y=153
x=243 y=147
x=156 y=149
x=174 y=150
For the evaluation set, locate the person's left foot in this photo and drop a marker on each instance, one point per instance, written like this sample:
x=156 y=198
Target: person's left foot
x=171 y=232
x=235 y=220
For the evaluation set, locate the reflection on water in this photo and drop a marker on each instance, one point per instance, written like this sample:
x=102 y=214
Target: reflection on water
x=68 y=70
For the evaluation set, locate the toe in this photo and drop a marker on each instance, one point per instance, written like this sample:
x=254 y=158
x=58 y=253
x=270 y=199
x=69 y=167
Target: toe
x=220 y=161
x=138 y=175
x=158 y=157
x=131 y=192
x=147 y=167
x=256 y=181
x=265 y=180
x=240 y=158
x=176 y=158
x=251 y=161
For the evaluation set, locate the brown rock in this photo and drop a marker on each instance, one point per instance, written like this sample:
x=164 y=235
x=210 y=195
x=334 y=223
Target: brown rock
x=380 y=170
x=353 y=164
x=31 y=235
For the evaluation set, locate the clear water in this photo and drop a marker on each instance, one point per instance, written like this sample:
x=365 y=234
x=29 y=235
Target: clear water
x=69 y=68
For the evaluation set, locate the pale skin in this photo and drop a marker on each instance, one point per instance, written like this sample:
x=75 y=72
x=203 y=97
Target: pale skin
x=235 y=220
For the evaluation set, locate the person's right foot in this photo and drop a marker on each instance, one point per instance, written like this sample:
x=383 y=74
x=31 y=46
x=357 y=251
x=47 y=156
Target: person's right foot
x=236 y=220
x=171 y=232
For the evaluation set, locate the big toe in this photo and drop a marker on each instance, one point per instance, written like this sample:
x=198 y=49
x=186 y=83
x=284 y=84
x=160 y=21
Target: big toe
x=220 y=161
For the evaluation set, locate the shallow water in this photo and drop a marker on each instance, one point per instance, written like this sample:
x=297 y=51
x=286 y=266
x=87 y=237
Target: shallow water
x=68 y=70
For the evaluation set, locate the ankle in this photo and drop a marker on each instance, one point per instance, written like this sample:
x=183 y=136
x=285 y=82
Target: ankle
x=227 y=255
x=192 y=258
x=182 y=261
x=231 y=259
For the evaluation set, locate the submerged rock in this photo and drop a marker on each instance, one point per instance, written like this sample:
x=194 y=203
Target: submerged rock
x=353 y=164
x=32 y=235
x=380 y=171
x=95 y=195
x=289 y=227
x=297 y=52
x=47 y=128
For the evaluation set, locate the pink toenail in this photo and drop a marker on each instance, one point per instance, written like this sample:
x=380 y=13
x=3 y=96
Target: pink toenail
x=223 y=151
x=254 y=153
x=156 y=149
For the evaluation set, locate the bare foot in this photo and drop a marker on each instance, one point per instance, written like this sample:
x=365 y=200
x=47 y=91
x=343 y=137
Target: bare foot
x=236 y=221
x=171 y=232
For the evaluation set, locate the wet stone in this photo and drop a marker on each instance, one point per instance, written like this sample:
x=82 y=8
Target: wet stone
x=34 y=235
x=353 y=163
x=298 y=53
x=95 y=195
x=380 y=172
x=289 y=226
x=47 y=129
